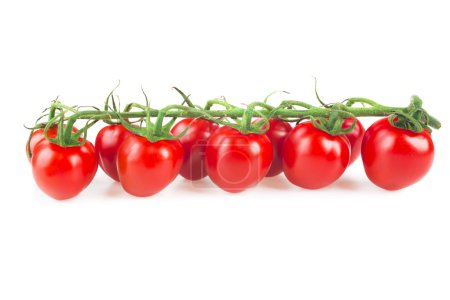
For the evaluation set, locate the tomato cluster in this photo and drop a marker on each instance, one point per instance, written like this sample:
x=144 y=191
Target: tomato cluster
x=310 y=158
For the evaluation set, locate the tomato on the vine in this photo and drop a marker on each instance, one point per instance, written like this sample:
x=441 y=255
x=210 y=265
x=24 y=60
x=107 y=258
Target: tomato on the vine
x=107 y=144
x=38 y=136
x=146 y=167
x=236 y=161
x=312 y=158
x=355 y=138
x=277 y=132
x=194 y=143
x=63 y=172
x=395 y=158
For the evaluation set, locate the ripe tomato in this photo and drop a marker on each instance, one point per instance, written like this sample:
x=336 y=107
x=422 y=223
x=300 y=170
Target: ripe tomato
x=236 y=161
x=355 y=138
x=38 y=136
x=63 y=172
x=145 y=167
x=395 y=158
x=277 y=132
x=312 y=158
x=194 y=143
x=107 y=144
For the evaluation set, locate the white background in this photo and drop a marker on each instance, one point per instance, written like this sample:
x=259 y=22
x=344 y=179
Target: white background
x=351 y=240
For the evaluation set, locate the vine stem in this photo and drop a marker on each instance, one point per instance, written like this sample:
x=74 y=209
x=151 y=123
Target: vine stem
x=237 y=112
x=375 y=110
x=326 y=117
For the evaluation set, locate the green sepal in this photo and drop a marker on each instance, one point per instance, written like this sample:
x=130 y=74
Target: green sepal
x=405 y=121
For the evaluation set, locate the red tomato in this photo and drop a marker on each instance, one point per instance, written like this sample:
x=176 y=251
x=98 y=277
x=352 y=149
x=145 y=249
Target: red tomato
x=63 y=172
x=355 y=138
x=194 y=143
x=236 y=161
x=38 y=136
x=277 y=132
x=145 y=167
x=107 y=144
x=395 y=158
x=312 y=158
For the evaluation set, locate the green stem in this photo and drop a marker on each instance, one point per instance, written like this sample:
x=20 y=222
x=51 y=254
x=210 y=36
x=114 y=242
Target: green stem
x=237 y=112
x=330 y=117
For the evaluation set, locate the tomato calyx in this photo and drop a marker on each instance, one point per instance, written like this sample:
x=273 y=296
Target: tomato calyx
x=244 y=124
x=28 y=145
x=152 y=131
x=66 y=136
x=328 y=118
x=66 y=133
x=155 y=131
x=333 y=125
x=414 y=118
x=333 y=120
x=259 y=127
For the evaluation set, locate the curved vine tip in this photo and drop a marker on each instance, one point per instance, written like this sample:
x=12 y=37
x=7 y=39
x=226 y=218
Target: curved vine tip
x=317 y=94
x=273 y=93
x=147 y=101
x=185 y=98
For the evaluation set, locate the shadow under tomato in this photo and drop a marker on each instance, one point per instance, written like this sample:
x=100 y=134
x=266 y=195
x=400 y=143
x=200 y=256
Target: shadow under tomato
x=114 y=190
x=278 y=182
x=196 y=186
x=347 y=184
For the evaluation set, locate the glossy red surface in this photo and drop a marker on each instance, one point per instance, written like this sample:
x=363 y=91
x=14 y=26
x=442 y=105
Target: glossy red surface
x=107 y=144
x=313 y=158
x=63 y=173
x=236 y=161
x=145 y=167
x=194 y=143
x=395 y=158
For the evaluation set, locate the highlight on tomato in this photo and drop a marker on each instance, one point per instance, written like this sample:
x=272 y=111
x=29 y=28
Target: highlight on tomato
x=236 y=161
x=355 y=138
x=107 y=144
x=277 y=132
x=63 y=172
x=147 y=167
x=395 y=158
x=312 y=158
x=194 y=143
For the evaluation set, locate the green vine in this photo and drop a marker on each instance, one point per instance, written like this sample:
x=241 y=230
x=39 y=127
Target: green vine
x=151 y=123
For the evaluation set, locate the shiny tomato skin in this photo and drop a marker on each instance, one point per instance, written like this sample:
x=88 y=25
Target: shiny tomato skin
x=236 y=161
x=277 y=132
x=194 y=143
x=395 y=158
x=312 y=158
x=38 y=136
x=355 y=138
x=146 y=167
x=107 y=144
x=63 y=172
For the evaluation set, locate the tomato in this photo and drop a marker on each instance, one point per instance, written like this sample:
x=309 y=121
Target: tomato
x=395 y=158
x=63 y=172
x=107 y=144
x=194 y=142
x=277 y=132
x=355 y=138
x=312 y=158
x=38 y=136
x=146 y=167
x=236 y=161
